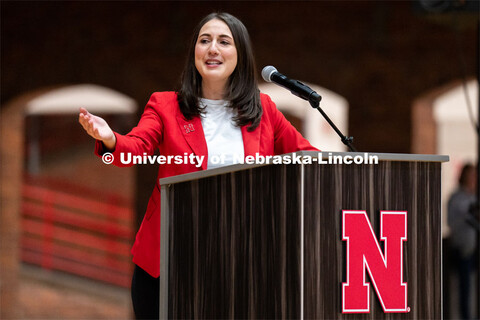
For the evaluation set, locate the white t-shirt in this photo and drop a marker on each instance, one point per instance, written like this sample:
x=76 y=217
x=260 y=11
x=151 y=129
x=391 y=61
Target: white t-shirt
x=224 y=139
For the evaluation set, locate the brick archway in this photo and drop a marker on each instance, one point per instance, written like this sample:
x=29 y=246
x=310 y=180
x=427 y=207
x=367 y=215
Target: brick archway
x=12 y=146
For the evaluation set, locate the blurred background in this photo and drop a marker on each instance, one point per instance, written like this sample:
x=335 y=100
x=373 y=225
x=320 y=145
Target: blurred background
x=399 y=76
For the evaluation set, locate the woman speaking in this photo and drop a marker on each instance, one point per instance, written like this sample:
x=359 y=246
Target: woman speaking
x=218 y=112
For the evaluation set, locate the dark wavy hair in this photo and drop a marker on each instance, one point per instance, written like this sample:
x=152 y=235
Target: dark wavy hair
x=242 y=87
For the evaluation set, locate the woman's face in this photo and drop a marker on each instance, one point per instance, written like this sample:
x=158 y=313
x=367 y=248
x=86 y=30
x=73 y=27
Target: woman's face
x=215 y=53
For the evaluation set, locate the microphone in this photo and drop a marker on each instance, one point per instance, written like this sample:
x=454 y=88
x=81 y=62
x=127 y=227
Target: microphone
x=270 y=74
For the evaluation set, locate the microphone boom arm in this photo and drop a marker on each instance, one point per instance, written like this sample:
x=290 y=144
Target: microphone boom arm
x=348 y=141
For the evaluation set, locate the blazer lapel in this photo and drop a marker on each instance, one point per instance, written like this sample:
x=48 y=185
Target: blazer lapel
x=193 y=133
x=251 y=141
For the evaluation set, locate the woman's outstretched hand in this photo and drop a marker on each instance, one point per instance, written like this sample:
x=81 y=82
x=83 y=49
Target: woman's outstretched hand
x=98 y=128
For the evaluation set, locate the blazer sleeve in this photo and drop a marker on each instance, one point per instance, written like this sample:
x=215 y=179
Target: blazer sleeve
x=286 y=138
x=143 y=138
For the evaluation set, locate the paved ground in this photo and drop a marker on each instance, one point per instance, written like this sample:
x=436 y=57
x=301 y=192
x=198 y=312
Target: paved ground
x=54 y=295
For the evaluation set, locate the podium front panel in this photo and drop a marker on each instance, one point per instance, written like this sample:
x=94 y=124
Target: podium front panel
x=398 y=186
x=266 y=242
x=234 y=245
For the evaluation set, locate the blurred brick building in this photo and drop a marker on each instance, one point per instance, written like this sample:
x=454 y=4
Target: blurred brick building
x=379 y=55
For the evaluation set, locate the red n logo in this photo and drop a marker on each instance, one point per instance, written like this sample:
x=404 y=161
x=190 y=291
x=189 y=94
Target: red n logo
x=364 y=254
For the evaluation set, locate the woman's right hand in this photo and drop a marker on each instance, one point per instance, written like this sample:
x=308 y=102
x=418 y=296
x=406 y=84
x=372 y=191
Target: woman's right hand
x=98 y=128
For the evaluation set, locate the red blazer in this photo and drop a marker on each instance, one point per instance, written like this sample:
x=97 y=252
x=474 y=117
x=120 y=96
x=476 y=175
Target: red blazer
x=163 y=126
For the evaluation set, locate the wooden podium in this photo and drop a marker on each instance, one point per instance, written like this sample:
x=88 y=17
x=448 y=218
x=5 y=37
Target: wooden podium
x=265 y=241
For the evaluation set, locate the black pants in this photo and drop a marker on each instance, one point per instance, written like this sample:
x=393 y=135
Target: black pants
x=145 y=295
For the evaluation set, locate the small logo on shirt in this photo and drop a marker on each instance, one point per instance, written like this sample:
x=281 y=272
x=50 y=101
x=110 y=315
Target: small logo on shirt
x=188 y=128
